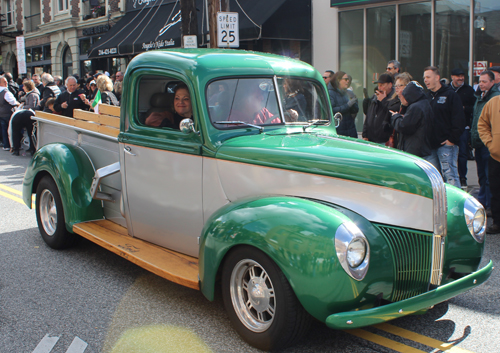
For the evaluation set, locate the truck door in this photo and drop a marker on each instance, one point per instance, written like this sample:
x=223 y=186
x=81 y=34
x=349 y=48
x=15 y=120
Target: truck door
x=163 y=166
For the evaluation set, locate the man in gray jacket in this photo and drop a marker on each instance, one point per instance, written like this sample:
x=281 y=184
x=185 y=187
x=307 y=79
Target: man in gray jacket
x=488 y=90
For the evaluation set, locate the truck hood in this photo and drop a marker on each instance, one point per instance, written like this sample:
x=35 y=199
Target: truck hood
x=336 y=157
x=384 y=185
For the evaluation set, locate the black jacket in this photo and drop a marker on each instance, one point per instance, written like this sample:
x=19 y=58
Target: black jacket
x=339 y=100
x=468 y=98
x=414 y=127
x=73 y=100
x=49 y=91
x=377 y=126
x=449 y=118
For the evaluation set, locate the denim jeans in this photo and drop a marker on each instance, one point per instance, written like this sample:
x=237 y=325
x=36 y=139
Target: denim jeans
x=494 y=178
x=482 y=155
x=445 y=159
x=4 y=126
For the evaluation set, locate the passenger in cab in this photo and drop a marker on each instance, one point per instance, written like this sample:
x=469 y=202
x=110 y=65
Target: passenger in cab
x=182 y=107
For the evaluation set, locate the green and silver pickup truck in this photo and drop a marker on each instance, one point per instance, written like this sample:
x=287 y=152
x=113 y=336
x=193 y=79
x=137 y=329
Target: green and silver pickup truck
x=223 y=168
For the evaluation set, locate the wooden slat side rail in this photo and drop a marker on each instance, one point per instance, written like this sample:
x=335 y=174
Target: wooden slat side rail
x=109 y=110
x=108 y=120
x=55 y=117
x=175 y=267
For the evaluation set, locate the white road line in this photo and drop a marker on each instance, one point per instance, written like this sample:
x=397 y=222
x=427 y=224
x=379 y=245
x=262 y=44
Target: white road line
x=77 y=346
x=46 y=344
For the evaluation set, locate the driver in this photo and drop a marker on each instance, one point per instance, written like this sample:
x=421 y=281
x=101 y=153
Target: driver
x=250 y=108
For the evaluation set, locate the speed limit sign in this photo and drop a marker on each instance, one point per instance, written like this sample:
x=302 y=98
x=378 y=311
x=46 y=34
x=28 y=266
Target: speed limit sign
x=228 y=31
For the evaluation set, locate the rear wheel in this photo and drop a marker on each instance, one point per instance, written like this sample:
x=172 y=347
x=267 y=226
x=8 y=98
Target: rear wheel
x=260 y=302
x=50 y=215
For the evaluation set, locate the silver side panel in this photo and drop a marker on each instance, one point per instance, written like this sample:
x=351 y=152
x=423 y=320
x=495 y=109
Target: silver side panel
x=101 y=149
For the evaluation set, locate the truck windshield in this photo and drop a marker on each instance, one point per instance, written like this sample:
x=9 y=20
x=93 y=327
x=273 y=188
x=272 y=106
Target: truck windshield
x=255 y=101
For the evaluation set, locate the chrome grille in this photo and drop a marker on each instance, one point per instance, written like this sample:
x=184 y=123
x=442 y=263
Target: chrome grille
x=413 y=254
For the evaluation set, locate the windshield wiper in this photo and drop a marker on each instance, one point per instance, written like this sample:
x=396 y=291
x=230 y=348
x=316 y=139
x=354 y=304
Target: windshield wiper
x=240 y=123
x=315 y=123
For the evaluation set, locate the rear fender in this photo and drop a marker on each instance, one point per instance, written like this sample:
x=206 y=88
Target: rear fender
x=297 y=234
x=72 y=171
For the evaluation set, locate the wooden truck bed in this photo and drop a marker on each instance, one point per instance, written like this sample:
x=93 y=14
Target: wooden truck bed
x=175 y=267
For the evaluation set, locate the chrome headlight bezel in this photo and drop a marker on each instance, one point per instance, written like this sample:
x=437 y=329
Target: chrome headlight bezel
x=346 y=235
x=475 y=218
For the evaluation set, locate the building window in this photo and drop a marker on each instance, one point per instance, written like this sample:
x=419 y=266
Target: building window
x=7 y=5
x=486 y=35
x=415 y=38
x=63 y=5
x=67 y=63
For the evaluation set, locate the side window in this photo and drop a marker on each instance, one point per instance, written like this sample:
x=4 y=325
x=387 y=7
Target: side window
x=163 y=102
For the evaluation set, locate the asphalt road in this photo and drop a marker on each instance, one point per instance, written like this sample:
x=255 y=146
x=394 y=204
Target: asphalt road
x=87 y=299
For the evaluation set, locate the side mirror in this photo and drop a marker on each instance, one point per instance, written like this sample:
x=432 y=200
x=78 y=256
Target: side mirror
x=187 y=126
x=337 y=118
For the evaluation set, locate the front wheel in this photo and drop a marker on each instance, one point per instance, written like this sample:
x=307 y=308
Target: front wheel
x=260 y=302
x=50 y=215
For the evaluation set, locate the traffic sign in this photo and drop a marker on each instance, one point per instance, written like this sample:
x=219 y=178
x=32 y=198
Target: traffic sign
x=228 y=30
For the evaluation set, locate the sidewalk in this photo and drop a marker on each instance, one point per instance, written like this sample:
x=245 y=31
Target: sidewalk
x=472 y=182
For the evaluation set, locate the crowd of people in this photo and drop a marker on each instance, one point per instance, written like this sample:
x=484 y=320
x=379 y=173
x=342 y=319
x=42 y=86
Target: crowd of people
x=442 y=124
x=20 y=99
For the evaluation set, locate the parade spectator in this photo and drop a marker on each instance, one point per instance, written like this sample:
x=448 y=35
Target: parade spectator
x=448 y=125
x=51 y=90
x=60 y=83
x=414 y=127
x=22 y=120
x=377 y=127
x=32 y=98
x=92 y=89
x=38 y=83
x=105 y=86
x=70 y=100
x=327 y=76
x=466 y=94
x=393 y=68
x=7 y=103
x=117 y=89
x=489 y=132
x=496 y=71
x=13 y=86
x=343 y=104
x=488 y=90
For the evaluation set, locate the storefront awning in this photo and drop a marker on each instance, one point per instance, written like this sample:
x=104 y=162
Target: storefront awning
x=156 y=27
x=159 y=27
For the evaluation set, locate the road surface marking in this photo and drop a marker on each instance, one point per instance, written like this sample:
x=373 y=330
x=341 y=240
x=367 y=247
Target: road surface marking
x=14 y=191
x=77 y=346
x=382 y=341
x=46 y=344
x=12 y=197
x=431 y=342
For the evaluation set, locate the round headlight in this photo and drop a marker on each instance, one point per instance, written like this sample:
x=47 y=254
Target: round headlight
x=356 y=252
x=475 y=217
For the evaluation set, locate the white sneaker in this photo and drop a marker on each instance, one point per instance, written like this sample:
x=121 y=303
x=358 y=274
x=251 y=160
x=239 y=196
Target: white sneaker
x=6 y=149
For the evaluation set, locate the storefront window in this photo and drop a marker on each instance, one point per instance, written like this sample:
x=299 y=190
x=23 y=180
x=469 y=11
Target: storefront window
x=415 y=38
x=46 y=52
x=486 y=35
x=67 y=62
x=351 y=53
x=452 y=36
x=380 y=41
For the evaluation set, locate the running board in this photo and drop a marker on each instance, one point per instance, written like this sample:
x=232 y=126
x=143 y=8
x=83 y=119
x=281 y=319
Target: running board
x=171 y=265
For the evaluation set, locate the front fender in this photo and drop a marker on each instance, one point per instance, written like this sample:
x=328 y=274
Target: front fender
x=72 y=172
x=298 y=235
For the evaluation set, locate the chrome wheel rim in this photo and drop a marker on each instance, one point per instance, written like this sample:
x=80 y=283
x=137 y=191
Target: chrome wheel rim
x=48 y=212
x=252 y=295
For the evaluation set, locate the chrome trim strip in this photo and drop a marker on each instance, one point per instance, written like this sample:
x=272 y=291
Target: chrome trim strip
x=278 y=97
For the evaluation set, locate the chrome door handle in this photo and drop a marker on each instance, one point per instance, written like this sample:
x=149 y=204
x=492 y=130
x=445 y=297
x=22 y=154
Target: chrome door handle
x=128 y=150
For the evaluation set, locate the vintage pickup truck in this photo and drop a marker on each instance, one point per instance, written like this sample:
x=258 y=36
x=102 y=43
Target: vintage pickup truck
x=257 y=193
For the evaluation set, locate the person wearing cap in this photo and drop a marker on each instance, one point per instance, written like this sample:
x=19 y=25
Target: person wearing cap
x=487 y=90
x=466 y=94
x=377 y=127
x=448 y=125
x=489 y=132
x=414 y=127
x=496 y=71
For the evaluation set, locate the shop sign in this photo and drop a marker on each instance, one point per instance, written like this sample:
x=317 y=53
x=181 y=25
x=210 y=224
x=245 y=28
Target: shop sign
x=158 y=44
x=480 y=66
x=109 y=51
x=95 y=30
x=405 y=44
x=139 y=4
x=228 y=30
x=21 y=55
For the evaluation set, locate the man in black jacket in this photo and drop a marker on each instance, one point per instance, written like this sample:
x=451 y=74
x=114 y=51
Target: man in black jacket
x=377 y=109
x=466 y=94
x=50 y=90
x=70 y=100
x=414 y=127
x=448 y=125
